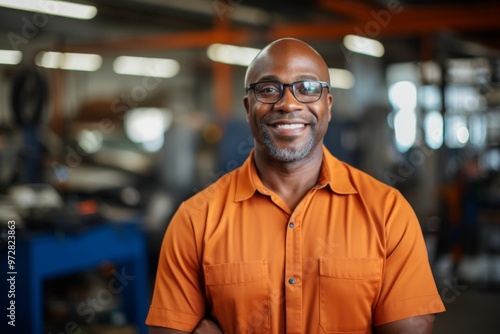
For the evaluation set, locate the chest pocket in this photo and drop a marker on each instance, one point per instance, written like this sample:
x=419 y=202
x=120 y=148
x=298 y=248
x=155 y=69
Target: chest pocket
x=347 y=289
x=239 y=296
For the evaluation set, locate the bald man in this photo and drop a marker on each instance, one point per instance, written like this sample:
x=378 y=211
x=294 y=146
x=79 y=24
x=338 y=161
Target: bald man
x=293 y=241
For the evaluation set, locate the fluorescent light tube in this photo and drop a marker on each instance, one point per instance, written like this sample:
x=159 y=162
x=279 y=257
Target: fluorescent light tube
x=69 y=61
x=363 y=45
x=340 y=78
x=149 y=67
x=231 y=54
x=59 y=8
x=10 y=57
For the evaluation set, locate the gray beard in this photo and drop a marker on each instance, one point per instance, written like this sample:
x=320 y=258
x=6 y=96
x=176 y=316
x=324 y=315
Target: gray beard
x=289 y=154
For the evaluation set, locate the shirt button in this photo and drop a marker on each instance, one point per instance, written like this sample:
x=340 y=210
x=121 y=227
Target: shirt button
x=291 y=280
x=292 y=225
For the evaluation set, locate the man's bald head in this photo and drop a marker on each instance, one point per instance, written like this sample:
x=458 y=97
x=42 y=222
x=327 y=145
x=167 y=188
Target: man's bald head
x=286 y=51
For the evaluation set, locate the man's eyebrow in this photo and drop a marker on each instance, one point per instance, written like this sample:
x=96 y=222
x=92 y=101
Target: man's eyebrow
x=268 y=78
x=307 y=77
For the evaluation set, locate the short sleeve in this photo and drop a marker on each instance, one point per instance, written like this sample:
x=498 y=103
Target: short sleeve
x=408 y=287
x=178 y=299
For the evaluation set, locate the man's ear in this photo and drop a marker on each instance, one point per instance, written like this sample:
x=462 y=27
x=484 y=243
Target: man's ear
x=330 y=103
x=245 y=103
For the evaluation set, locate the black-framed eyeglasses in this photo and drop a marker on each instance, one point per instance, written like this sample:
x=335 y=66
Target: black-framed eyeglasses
x=305 y=91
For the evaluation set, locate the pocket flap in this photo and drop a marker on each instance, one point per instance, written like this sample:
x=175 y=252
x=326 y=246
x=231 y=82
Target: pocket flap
x=238 y=272
x=351 y=268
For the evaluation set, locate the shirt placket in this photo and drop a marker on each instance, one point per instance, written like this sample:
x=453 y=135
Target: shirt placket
x=293 y=274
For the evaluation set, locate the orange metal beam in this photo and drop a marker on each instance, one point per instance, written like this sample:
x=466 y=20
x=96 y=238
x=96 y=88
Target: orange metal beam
x=181 y=40
x=223 y=90
x=57 y=92
x=352 y=9
x=222 y=80
x=404 y=25
x=407 y=21
x=447 y=11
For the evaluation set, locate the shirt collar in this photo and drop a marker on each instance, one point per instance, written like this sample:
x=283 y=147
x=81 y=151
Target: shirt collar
x=245 y=186
x=334 y=173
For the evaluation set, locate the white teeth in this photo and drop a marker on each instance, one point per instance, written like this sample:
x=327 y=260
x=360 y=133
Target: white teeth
x=289 y=126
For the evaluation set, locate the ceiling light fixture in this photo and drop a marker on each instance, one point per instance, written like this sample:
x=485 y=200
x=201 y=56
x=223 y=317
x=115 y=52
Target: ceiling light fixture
x=10 y=57
x=59 y=8
x=231 y=54
x=363 y=45
x=340 y=78
x=149 y=67
x=69 y=61
x=147 y=126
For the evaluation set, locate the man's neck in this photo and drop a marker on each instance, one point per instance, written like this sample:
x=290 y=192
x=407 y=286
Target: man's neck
x=289 y=180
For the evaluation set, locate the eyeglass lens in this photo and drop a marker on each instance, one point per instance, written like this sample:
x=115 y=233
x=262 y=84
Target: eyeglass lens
x=304 y=91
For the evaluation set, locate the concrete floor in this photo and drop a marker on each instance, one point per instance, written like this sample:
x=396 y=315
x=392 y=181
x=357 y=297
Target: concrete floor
x=470 y=310
x=473 y=304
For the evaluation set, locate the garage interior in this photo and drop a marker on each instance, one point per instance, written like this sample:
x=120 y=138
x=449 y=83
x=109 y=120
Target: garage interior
x=109 y=121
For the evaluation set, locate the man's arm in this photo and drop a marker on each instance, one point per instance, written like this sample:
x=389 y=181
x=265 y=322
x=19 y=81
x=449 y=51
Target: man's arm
x=205 y=326
x=178 y=303
x=422 y=324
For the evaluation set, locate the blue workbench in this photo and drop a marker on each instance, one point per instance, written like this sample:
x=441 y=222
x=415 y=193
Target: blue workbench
x=41 y=256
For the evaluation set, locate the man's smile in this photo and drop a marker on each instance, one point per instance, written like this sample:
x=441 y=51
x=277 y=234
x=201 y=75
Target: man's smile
x=290 y=126
x=289 y=129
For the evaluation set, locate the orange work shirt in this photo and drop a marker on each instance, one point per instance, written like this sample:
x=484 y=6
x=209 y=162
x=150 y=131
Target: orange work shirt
x=349 y=257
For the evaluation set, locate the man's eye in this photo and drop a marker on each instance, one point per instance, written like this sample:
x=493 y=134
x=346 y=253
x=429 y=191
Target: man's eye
x=308 y=89
x=268 y=89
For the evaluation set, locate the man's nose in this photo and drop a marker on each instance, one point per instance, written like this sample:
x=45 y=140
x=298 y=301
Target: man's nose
x=288 y=102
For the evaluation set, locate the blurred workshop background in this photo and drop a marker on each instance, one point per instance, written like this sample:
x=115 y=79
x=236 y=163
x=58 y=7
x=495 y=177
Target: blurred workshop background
x=112 y=112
